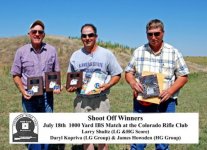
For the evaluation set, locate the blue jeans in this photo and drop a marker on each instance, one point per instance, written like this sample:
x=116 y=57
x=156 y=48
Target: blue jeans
x=168 y=106
x=42 y=103
x=38 y=146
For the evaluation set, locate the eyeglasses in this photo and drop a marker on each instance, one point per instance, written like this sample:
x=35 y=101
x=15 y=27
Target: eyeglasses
x=39 y=31
x=154 y=33
x=89 y=35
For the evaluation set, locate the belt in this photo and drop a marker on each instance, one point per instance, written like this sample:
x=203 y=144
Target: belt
x=91 y=96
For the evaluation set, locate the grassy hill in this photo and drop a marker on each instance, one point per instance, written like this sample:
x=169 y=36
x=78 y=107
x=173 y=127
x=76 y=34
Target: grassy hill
x=192 y=97
x=66 y=46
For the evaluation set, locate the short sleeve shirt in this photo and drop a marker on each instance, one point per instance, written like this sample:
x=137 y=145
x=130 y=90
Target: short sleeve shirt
x=100 y=60
x=28 y=63
x=169 y=62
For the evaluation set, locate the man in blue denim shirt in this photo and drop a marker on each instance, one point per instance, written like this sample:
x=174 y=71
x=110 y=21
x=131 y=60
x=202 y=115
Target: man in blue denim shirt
x=32 y=60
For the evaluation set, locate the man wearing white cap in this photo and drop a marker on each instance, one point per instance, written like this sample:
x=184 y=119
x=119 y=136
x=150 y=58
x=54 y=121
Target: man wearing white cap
x=33 y=60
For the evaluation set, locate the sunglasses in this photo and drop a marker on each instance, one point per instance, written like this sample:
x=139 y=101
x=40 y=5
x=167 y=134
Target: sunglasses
x=154 y=33
x=39 y=31
x=89 y=35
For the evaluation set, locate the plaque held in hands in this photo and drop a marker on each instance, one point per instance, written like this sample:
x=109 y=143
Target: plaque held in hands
x=52 y=81
x=74 y=79
x=35 y=86
x=150 y=86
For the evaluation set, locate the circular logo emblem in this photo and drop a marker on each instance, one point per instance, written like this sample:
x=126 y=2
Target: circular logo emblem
x=25 y=128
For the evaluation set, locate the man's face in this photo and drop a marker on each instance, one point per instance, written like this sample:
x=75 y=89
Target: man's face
x=36 y=35
x=88 y=37
x=155 y=37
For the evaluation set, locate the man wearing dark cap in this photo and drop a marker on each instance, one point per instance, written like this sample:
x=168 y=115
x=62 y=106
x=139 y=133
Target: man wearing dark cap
x=33 y=60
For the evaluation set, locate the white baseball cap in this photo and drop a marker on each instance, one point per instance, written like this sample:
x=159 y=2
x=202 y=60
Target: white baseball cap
x=37 y=22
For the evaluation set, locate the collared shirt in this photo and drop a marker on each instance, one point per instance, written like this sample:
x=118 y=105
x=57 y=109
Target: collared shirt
x=29 y=63
x=169 y=62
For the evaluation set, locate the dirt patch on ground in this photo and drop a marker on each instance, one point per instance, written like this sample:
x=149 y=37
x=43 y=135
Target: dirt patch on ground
x=193 y=67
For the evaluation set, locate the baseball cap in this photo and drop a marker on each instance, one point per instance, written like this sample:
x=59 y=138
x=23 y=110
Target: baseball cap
x=37 y=22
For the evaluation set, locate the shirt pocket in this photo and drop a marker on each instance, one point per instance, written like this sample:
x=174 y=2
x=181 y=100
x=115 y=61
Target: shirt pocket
x=168 y=70
x=28 y=67
x=50 y=64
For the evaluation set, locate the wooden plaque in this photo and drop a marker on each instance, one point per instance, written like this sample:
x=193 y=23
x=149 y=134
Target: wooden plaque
x=36 y=85
x=74 y=79
x=52 y=79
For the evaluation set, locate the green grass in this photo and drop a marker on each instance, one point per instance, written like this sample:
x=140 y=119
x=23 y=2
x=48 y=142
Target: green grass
x=192 y=99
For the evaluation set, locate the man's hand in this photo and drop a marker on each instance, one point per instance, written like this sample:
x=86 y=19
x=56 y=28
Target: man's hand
x=71 y=89
x=114 y=80
x=104 y=87
x=18 y=83
x=26 y=95
x=136 y=86
x=56 y=91
x=179 y=83
x=165 y=95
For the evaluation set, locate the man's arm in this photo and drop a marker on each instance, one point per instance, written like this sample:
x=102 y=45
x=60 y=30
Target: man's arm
x=19 y=85
x=114 y=80
x=178 y=84
x=136 y=86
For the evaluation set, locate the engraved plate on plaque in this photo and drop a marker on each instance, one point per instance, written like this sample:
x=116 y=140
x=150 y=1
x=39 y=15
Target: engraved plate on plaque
x=52 y=81
x=74 y=79
x=35 y=85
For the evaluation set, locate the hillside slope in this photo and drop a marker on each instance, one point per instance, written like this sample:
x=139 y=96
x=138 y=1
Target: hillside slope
x=66 y=46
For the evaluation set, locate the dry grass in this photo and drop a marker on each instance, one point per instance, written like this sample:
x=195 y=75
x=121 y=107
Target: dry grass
x=192 y=98
x=66 y=46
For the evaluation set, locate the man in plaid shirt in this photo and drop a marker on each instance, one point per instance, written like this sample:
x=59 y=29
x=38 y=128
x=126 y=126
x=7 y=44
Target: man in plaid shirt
x=158 y=57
